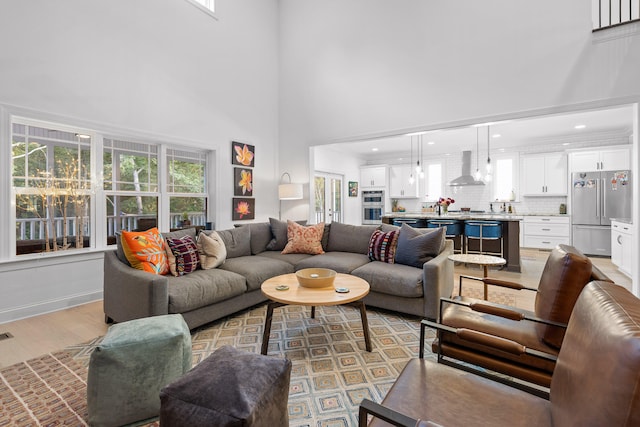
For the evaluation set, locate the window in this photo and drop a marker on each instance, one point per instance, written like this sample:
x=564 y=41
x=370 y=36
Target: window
x=59 y=173
x=208 y=6
x=433 y=183
x=186 y=185
x=130 y=172
x=505 y=178
x=51 y=179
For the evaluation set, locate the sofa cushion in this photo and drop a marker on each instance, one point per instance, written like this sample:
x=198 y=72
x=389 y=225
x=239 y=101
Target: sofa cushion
x=145 y=250
x=191 y=231
x=350 y=238
x=342 y=262
x=417 y=246
x=237 y=241
x=182 y=254
x=211 y=249
x=304 y=239
x=292 y=259
x=279 y=232
x=260 y=236
x=382 y=246
x=202 y=288
x=257 y=269
x=397 y=279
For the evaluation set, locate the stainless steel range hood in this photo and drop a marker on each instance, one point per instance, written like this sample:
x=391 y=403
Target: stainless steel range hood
x=466 y=178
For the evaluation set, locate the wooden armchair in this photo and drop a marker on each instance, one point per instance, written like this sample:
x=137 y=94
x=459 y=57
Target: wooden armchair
x=595 y=382
x=565 y=274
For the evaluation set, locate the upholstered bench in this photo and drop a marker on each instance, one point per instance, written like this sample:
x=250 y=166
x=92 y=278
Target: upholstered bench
x=229 y=388
x=134 y=361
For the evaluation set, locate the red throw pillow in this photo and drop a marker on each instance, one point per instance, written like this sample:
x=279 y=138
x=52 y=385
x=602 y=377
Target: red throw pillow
x=382 y=246
x=185 y=251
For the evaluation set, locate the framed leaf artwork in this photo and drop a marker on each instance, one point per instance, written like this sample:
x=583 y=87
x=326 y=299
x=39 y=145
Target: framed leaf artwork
x=242 y=154
x=242 y=182
x=243 y=208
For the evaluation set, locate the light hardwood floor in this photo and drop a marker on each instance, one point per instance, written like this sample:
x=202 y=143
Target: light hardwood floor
x=54 y=331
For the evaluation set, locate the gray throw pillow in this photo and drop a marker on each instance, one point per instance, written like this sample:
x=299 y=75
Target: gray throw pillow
x=279 y=231
x=260 y=236
x=419 y=245
x=237 y=241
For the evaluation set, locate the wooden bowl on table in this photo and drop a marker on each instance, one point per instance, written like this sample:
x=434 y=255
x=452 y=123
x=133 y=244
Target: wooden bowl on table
x=315 y=277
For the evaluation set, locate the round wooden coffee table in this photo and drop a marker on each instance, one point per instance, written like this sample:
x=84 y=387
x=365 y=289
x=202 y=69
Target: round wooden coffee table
x=298 y=295
x=485 y=261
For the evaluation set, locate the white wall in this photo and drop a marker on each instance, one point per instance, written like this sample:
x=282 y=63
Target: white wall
x=368 y=67
x=329 y=161
x=157 y=67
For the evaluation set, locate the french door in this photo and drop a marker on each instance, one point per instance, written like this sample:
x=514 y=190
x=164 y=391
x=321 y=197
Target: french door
x=328 y=197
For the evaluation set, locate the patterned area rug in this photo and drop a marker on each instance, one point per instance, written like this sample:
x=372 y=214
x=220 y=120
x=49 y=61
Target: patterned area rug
x=331 y=372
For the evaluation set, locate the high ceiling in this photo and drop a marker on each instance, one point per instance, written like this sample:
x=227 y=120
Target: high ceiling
x=541 y=130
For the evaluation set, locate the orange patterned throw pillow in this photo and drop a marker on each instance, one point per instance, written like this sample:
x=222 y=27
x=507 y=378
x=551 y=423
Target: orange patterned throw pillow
x=304 y=240
x=145 y=250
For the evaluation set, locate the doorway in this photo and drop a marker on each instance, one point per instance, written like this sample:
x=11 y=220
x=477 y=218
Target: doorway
x=328 y=197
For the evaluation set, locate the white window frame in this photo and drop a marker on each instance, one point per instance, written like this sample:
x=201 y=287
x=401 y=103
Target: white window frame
x=98 y=210
x=207 y=6
x=441 y=191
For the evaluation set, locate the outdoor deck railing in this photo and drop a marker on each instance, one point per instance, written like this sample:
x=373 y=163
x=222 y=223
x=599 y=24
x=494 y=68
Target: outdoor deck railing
x=34 y=228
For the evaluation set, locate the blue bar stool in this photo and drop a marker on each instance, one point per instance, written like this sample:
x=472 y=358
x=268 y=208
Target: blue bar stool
x=413 y=222
x=485 y=232
x=453 y=231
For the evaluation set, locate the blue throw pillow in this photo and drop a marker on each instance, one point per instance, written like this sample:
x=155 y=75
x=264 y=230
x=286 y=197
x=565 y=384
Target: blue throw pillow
x=419 y=245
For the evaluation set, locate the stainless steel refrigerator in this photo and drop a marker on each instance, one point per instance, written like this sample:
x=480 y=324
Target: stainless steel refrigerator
x=596 y=197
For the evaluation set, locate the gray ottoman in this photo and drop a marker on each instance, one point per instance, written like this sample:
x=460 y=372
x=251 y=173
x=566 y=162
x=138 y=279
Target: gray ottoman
x=229 y=388
x=134 y=361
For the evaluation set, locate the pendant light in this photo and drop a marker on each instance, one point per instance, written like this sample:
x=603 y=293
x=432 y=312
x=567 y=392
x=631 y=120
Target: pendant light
x=488 y=177
x=411 y=178
x=478 y=175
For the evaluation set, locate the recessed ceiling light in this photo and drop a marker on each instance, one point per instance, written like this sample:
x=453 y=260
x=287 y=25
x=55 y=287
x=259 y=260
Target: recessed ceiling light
x=447 y=154
x=374 y=149
x=565 y=143
x=496 y=135
x=580 y=126
x=501 y=150
x=430 y=143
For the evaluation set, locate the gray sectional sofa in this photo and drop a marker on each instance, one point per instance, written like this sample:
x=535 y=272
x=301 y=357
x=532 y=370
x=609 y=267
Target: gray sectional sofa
x=254 y=255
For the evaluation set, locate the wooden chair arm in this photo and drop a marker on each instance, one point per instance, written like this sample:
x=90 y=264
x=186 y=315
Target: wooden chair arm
x=368 y=407
x=483 y=338
x=495 y=282
x=500 y=311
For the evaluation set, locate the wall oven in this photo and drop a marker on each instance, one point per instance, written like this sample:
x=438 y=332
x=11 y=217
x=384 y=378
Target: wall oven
x=372 y=207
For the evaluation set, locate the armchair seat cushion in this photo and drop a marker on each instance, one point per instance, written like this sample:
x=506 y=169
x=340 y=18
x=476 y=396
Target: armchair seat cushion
x=392 y=279
x=438 y=393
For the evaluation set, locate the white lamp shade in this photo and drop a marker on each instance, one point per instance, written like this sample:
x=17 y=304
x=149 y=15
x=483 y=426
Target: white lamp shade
x=290 y=191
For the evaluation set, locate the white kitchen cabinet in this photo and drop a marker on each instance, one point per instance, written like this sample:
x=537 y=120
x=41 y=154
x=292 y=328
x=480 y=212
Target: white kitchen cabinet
x=544 y=175
x=373 y=177
x=546 y=232
x=621 y=247
x=605 y=159
x=399 y=185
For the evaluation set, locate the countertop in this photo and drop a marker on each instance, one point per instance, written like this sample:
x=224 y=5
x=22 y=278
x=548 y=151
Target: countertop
x=623 y=220
x=456 y=215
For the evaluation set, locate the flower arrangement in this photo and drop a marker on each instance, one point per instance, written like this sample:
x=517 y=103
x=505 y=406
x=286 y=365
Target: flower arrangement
x=445 y=201
x=443 y=204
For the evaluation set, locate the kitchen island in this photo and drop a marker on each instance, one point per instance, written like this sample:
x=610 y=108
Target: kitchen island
x=510 y=229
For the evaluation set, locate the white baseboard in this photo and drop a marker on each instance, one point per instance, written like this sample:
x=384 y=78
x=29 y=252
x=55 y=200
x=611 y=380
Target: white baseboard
x=44 y=307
